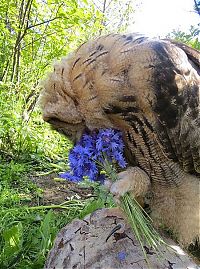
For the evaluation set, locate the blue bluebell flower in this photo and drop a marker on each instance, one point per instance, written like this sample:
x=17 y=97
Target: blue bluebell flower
x=78 y=155
x=91 y=150
x=118 y=157
x=89 y=141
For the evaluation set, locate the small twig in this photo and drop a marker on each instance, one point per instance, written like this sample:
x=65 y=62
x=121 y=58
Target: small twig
x=43 y=22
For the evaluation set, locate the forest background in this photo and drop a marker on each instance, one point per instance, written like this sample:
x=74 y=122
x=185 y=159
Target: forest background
x=34 y=203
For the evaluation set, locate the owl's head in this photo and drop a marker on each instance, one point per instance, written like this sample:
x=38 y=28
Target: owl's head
x=59 y=105
x=68 y=108
x=90 y=89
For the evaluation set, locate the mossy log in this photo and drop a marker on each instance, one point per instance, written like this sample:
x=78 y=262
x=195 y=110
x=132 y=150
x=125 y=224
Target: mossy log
x=84 y=244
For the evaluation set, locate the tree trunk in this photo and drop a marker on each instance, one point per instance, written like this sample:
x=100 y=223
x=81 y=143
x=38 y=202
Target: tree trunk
x=84 y=244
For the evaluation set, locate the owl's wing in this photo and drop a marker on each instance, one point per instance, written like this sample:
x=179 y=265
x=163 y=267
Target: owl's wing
x=178 y=105
x=159 y=99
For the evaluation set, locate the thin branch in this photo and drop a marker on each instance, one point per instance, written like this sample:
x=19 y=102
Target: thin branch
x=5 y=71
x=104 y=7
x=37 y=39
x=23 y=17
x=41 y=23
x=26 y=11
x=109 y=3
x=103 y=19
x=45 y=30
x=32 y=26
x=96 y=6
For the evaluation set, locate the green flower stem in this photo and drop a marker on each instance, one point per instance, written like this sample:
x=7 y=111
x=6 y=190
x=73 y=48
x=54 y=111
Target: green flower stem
x=70 y=204
x=139 y=220
x=47 y=173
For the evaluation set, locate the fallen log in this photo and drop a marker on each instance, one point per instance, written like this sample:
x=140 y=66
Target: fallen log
x=86 y=244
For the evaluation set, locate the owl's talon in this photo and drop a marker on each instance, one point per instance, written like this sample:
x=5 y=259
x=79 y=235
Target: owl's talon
x=133 y=180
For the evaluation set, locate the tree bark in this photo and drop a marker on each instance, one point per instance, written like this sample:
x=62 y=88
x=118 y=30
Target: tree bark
x=84 y=244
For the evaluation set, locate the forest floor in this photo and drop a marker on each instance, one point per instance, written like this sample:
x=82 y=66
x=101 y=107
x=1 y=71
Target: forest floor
x=56 y=190
x=34 y=206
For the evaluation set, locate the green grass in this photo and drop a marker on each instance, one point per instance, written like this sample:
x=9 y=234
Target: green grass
x=28 y=228
x=28 y=235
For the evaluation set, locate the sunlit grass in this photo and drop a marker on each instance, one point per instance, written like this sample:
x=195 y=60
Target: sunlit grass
x=28 y=228
x=28 y=234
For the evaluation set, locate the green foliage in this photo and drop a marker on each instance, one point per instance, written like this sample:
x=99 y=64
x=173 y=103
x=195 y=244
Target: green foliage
x=27 y=232
x=104 y=200
x=15 y=188
x=23 y=134
x=27 y=236
x=35 y=32
x=191 y=38
x=13 y=241
x=27 y=228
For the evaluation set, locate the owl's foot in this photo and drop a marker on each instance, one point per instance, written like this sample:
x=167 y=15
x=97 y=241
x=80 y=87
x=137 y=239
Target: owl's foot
x=133 y=180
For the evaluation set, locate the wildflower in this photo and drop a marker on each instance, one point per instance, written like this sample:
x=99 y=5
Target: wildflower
x=120 y=159
x=89 y=141
x=109 y=140
x=85 y=157
x=78 y=155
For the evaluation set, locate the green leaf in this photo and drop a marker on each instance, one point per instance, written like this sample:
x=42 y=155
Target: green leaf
x=13 y=238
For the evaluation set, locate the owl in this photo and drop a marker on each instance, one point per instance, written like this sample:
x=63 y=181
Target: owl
x=149 y=90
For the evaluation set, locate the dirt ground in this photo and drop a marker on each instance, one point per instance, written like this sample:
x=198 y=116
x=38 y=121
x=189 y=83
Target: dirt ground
x=56 y=190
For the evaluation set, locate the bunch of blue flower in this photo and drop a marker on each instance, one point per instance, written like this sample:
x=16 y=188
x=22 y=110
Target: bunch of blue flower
x=92 y=150
x=93 y=157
